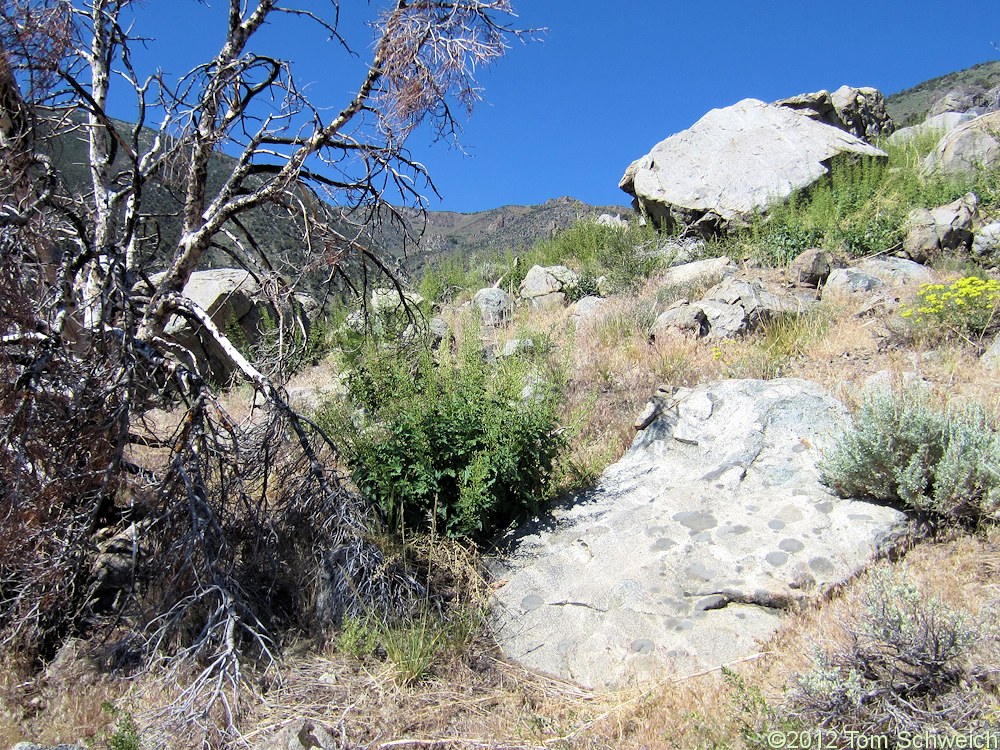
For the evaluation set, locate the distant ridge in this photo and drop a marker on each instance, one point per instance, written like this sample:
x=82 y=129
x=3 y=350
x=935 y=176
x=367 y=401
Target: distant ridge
x=512 y=227
x=912 y=105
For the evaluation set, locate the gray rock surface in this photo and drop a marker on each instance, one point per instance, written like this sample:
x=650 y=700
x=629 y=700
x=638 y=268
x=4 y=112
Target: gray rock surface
x=681 y=317
x=991 y=357
x=968 y=148
x=940 y=125
x=948 y=227
x=687 y=551
x=731 y=308
x=518 y=346
x=897 y=272
x=733 y=162
x=301 y=734
x=986 y=244
x=236 y=304
x=495 y=306
x=859 y=111
x=850 y=281
x=587 y=308
x=699 y=272
x=811 y=267
x=616 y=221
x=384 y=301
x=546 y=287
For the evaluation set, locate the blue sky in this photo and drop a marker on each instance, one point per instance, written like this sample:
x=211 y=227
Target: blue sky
x=565 y=116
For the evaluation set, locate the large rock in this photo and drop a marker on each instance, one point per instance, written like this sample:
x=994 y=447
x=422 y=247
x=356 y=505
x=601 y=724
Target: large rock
x=545 y=287
x=849 y=281
x=689 y=549
x=734 y=162
x=971 y=99
x=949 y=227
x=699 y=272
x=495 y=306
x=967 y=149
x=730 y=309
x=859 y=111
x=238 y=307
x=898 y=273
x=936 y=125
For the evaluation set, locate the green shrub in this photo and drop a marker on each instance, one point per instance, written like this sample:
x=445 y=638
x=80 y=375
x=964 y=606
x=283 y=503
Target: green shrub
x=905 y=667
x=946 y=464
x=968 y=307
x=126 y=731
x=452 y=446
x=625 y=255
x=444 y=279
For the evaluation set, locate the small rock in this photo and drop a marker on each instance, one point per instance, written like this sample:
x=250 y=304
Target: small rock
x=812 y=267
x=986 y=245
x=647 y=416
x=302 y=734
x=849 y=281
x=588 y=307
x=518 y=346
x=616 y=221
x=494 y=305
x=386 y=300
x=437 y=330
x=991 y=357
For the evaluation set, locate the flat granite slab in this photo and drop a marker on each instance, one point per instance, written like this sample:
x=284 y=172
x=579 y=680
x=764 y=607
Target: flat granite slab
x=687 y=551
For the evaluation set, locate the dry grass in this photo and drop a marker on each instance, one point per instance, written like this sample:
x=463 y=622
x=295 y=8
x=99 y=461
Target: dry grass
x=472 y=697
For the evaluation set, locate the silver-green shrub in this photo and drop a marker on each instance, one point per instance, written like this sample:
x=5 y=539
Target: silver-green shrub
x=901 y=449
x=906 y=666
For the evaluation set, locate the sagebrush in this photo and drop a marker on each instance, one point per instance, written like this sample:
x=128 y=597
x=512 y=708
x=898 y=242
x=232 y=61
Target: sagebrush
x=902 y=449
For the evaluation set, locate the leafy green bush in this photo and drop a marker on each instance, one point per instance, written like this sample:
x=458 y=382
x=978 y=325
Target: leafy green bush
x=126 y=732
x=905 y=667
x=902 y=450
x=453 y=445
x=446 y=278
x=968 y=307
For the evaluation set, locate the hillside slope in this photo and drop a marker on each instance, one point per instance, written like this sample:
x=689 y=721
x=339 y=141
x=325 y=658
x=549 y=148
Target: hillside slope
x=976 y=85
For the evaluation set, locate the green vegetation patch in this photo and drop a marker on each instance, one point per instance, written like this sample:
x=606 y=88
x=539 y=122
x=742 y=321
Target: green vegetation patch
x=458 y=446
x=968 y=308
x=903 y=450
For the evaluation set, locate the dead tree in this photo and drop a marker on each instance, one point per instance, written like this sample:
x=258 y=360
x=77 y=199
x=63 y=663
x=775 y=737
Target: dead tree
x=131 y=501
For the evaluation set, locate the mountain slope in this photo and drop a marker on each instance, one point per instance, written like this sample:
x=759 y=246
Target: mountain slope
x=976 y=85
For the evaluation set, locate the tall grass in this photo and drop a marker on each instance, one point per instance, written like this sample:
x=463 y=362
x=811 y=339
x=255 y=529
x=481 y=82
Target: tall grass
x=860 y=208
